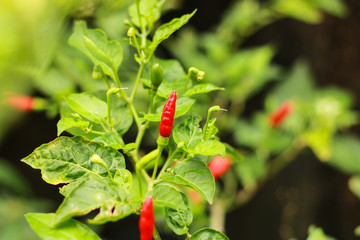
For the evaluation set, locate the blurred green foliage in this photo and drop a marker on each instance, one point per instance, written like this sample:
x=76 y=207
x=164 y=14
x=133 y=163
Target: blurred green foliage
x=37 y=56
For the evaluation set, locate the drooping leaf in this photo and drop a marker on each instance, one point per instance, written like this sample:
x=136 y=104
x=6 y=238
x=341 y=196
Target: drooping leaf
x=193 y=174
x=166 y=195
x=201 y=88
x=183 y=105
x=178 y=220
x=97 y=192
x=165 y=30
x=66 y=159
x=94 y=44
x=208 y=234
x=88 y=106
x=44 y=225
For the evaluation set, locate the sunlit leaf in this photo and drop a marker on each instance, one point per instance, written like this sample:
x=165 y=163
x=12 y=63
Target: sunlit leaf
x=88 y=106
x=66 y=159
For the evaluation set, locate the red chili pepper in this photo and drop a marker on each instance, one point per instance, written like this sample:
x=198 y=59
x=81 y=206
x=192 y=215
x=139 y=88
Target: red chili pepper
x=219 y=166
x=20 y=102
x=167 y=117
x=279 y=115
x=147 y=220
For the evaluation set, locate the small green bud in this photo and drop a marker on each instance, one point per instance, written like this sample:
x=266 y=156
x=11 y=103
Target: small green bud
x=200 y=75
x=97 y=159
x=131 y=32
x=97 y=73
x=157 y=75
x=196 y=74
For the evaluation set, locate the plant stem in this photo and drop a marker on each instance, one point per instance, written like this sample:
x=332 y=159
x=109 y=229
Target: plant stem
x=167 y=163
x=161 y=148
x=108 y=99
x=188 y=76
x=217 y=215
x=156 y=234
x=139 y=180
x=137 y=81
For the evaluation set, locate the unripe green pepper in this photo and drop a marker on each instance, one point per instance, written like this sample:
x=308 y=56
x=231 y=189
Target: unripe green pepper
x=157 y=75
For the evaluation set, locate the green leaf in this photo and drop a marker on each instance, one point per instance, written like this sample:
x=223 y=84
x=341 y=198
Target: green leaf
x=193 y=174
x=88 y=106
x=208 y=234
x=12 y=179
x=174 y=77
x=354 y=185
x=111 y=139
x=357 y=231
x=54 y=84
x=166 y=195
x=335 y=7
x=248 y=71
x=94 y=44
x=44 y=225
x=124 y=178
x=150 y=11
x=66 y=123
x=202 y=88
x=302 y=10
x=210 y=147
x=316 y=233
x=183 y=105
x=122 y=115
x=97 y=192
x=66 y=159
x=178 y=220
x=165 y=30
x=297 y=84
x=188 y=132
x=346 y=154
x=250 y=169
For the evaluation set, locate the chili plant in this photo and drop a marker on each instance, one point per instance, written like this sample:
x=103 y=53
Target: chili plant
x=93 y=168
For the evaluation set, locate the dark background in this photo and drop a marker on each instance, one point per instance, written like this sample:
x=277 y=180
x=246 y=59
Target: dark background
x=307 y=191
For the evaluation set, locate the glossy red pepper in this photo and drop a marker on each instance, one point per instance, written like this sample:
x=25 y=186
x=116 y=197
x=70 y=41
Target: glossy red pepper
x=279 y=115
x=147 y=220
x=20 y=102
x=167 y=117
x=219 y=166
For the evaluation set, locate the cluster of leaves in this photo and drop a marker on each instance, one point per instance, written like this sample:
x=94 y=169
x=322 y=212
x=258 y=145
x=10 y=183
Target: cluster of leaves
x=319 y=118
x=91 y=165
x=104 y=117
